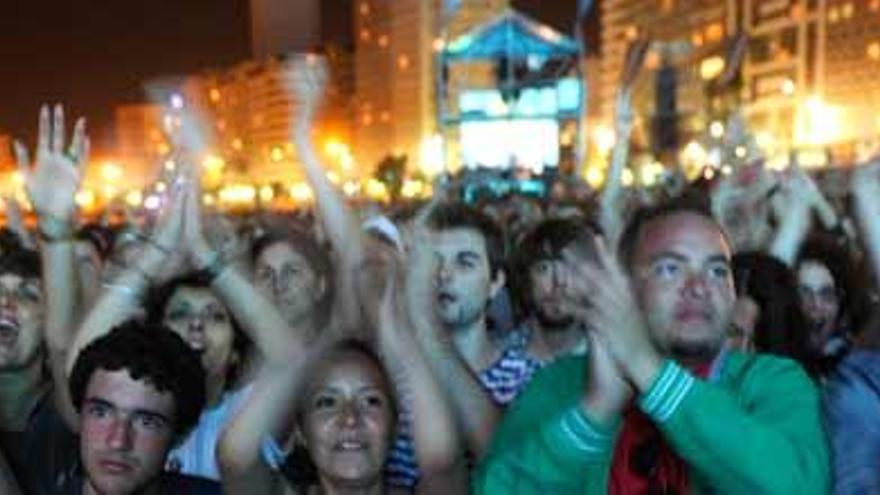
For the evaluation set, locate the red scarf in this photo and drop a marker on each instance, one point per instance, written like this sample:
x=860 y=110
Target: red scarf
x=643 y=463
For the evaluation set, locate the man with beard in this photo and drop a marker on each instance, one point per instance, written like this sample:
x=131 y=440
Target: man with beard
x=540 y=279
x=659 y=405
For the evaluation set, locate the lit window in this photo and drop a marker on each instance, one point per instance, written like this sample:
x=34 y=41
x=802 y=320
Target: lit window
x=874 y=50
x=697 y=39
x=711 y=67
x=276 y=154
x=847 y=11
x=367 y=119
x=403 y=62
x=365 y=35
x=214 y=95
x=874 y=5
x=833 y=15
x=365 y=8
x=385 y=116
x=714 y=32
x=632 y=33
x=383 y=40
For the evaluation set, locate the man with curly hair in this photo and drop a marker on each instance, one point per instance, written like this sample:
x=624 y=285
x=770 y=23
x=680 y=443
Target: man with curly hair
x=137 y=390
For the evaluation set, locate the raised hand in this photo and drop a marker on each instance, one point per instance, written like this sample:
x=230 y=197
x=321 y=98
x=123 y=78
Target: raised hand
x=306 y=83
x=612 y=312
x=866 y=180
x=55 y=177
x=167 y=232
x=198 y=248
x=623 y=114
x=607 y=391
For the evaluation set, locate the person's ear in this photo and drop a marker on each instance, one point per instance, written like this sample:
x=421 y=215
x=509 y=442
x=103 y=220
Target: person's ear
x=497 y=283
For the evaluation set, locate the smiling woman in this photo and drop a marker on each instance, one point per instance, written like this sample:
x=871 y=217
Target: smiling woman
x=347 y=417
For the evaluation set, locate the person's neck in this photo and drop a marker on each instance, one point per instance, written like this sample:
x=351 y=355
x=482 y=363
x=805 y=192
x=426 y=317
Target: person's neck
x=547 y=344
x=697 y=362
x=214 y=391
x=20 y=392
x=472 y=343
x=377 y=488
x=151 y=489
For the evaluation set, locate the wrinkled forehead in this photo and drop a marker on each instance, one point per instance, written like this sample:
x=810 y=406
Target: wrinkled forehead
x=684 y=233
x=459 y=240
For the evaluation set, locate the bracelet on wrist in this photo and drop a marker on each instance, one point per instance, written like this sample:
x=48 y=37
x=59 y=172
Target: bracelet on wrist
x=214 y=268
x=51 y=228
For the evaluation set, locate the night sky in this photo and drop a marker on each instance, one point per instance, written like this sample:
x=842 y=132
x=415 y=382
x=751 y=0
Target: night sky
x=94 y=54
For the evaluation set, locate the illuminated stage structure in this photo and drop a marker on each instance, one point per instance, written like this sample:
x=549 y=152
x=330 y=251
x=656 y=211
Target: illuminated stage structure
x=510 y=95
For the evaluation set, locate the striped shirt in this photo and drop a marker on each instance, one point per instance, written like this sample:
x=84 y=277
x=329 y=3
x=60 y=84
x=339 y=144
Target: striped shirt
x=504 y=380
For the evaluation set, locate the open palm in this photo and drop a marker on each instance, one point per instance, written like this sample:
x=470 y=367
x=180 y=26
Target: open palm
x=55 y=177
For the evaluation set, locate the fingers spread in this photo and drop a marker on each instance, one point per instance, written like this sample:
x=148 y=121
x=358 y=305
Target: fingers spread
x=45 y=130
x=58 y=130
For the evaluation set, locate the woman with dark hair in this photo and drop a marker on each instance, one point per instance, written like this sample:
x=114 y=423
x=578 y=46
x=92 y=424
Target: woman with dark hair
x=188 y=306
x=343 y=398
x=830 y=296
x=768 y=316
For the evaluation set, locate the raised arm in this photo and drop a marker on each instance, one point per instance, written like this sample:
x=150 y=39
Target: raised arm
x=792 y=206
x=866 y=197
x=306 y=85
x=435 y=433
x=122 y=297
x=51 y=184
x=258 y=317
x=266 y=411
x=610 y=207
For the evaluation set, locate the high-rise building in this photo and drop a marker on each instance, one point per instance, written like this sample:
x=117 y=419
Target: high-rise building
x=850 y=65
x=140 y=142
x=396 y=44
x=282 y=26
x=687 y=36
x=808 y=76
x=783 y=65
x=7 y=162
x=247 y=115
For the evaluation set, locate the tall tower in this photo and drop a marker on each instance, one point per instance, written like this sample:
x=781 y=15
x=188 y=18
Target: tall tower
x=281 y=26
x=395 y=76
x=685 y=34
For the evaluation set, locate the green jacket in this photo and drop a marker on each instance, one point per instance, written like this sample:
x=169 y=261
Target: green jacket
x=757 y=429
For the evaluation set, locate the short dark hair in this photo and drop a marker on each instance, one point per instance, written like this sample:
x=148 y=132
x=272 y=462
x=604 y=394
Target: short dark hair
x=153 y=354
x=546 y=240
x=460 y=216
x=22 y=262
x=645 y=215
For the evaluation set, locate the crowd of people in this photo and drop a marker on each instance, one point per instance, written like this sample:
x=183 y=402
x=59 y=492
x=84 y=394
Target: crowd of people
x=707 y=337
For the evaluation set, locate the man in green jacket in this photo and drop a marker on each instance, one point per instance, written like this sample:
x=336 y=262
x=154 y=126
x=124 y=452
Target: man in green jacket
x=659 y=405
